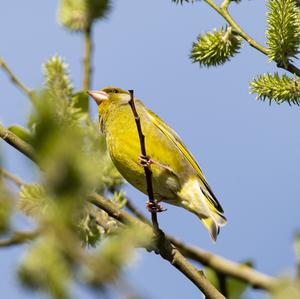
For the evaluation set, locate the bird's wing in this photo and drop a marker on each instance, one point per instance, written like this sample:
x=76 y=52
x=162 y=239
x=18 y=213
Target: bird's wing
x=173 y=136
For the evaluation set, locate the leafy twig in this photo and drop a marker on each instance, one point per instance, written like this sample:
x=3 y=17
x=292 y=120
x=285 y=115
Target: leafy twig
x=14 y=79
x=223 y=11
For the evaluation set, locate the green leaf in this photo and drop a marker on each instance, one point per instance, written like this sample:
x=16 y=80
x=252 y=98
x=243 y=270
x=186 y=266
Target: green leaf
x=21 y=132
x=275 y=88
x=283 y=30
x=216 y=47
x=78 y=15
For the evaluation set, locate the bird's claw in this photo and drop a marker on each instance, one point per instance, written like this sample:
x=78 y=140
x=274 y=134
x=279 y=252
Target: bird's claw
x=145 y=161
x=155 y=207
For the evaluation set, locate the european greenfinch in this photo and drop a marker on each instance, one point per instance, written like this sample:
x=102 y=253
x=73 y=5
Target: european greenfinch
x=176 y=177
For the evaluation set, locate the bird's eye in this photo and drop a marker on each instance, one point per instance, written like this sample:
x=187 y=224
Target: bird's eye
x=114 y=91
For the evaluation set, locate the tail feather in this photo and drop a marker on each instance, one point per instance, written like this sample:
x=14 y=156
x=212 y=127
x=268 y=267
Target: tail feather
x=200 y=202
x=213 y=224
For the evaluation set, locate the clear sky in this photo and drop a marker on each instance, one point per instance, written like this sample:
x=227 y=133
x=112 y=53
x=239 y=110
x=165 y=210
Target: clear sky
x=248 y=150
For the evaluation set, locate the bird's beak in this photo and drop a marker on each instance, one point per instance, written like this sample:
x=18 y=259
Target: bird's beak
x=98 y=95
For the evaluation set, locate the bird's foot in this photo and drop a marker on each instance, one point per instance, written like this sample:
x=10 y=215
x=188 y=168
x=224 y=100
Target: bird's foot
x=155 y=207
x=145 y=161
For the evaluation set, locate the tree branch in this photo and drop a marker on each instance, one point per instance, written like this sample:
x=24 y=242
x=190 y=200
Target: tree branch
x=14 y=79
x=221 y=265
x=16 y=180
x=223 y=11
x=87 y=65
x=19 y=238
x=148 y=172
x=17 y=143
x=164 y=247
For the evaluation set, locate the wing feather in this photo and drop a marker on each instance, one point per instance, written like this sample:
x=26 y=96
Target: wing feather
x=173 y=136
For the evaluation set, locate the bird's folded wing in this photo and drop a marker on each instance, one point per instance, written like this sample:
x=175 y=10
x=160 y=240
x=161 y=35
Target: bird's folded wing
x=173 y=136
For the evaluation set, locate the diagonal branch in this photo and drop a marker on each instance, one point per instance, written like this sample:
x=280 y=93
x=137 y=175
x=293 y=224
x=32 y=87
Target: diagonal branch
x=9 y=176
x=19 y=237
x=220 y=264
x=14 y=78
x=17 y=143
x=164 y=247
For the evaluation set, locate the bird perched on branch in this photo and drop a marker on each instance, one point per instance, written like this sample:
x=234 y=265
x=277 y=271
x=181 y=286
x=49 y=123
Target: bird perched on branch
x=176 y=177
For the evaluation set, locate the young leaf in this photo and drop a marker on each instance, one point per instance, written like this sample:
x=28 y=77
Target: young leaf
x=283 y=30
x=32 y=199
x=216 y=47
x=276 y=88
x=57 y=80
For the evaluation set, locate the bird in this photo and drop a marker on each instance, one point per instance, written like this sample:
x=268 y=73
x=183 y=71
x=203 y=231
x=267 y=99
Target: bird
x=176 y=177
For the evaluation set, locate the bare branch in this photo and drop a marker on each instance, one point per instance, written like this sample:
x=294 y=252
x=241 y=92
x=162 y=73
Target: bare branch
x=164 y=247
x=19 y=238
x=17 y=143
x=16 y=180
x=221 y=265
x=87 y=65
x=148 y=172
x=14 y=79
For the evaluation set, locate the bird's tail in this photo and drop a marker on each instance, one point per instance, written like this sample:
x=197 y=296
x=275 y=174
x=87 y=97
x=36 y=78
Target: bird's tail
x=201 y=201
x=213 y=223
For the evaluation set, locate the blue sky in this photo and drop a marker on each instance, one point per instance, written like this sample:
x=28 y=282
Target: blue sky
x=248 y=150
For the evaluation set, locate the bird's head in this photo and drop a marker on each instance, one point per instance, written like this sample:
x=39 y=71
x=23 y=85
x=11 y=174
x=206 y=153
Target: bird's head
x=109 y=93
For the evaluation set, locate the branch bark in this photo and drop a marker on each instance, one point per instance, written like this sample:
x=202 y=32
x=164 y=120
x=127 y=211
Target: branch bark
x=9 y=176
x=220 y=264
x=17 y=143
x=148 y=172
x=87 y=65
x=163 y=246
x=19 y=238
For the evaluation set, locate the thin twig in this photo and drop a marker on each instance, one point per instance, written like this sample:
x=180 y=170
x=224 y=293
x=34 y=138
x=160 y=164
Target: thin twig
x=16 y=180
x=148 y=172
x=223 y=11
x=19 y=238
x=17 y=143
x=87 y=65
x=220 y=264
x=14 y=78
x=165 y=248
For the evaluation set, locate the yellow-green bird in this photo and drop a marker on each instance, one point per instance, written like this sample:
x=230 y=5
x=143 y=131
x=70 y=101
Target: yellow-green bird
x=176 y=177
